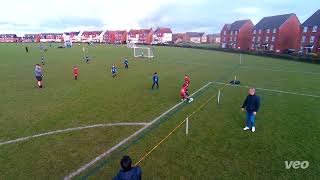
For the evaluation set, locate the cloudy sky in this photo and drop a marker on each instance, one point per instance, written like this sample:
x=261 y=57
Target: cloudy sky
x=34 y=16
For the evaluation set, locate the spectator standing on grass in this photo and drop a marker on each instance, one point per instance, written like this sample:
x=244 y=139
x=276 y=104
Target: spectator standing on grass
x=155 y=80
x=251 y=105
x=128 y=172
x=27 y=49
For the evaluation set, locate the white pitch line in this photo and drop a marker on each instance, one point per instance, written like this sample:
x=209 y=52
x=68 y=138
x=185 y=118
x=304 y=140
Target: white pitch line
x=71 y=129
x=279 y=70
x=95 y=160
x=271 y=90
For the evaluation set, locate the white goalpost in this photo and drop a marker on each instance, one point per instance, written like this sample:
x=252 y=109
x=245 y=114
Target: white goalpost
x=143 y=52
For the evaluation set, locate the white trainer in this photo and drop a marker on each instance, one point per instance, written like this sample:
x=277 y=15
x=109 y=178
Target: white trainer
x=253 y=129
x=246 y=128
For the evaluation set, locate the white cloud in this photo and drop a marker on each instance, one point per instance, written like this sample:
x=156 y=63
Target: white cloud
x=247 y=10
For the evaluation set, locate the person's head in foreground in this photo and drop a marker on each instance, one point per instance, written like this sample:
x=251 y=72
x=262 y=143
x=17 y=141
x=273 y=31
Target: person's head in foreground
x=128 y=172
x=252 y=91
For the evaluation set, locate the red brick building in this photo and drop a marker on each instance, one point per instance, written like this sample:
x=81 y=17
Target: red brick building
x=51 y=37
x=29 y=38
x=213 y=38
x=240 y=34
x=162 y=35
x=145 y=36
x=310 y=34
x=224 y=36
x=9 y=38
x=276 y=33
x=91 y=36
x=115 y=37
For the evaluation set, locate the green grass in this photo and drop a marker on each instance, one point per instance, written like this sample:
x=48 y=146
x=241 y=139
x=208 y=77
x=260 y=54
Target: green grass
x=216 y=148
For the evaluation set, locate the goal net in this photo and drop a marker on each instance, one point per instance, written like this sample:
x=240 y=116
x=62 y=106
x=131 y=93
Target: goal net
x=143 y=52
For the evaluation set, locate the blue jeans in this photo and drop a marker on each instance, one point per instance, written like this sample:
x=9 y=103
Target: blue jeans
x=250 y=119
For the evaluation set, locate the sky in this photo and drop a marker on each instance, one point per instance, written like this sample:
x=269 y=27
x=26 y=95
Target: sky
x=36 y=16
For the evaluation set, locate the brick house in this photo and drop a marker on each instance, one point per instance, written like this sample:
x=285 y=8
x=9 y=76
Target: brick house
x=91 y=36
x=72 y=36
x=51 y=37
x=115 y=37
x=178 y=38
x=224 y=36
x=276 y=33
x=145 y=36
x=9 y=38
x=29 y=38
x=194 y=37
x=240 y=34
x=162 y=35
x=213 y=38
x=310 y=34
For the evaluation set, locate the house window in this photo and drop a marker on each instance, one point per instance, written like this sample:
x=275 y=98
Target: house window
x=271 y=47
x=235 y=39
x=259 y=38
x=312 y=39
x=267 y=38
x=268 y=31
x=259 y=31
x=225 y=32
x=224 y=39
x=236 y=32
x=274 y=30
x=254 y=31
x=273 y=38
x=305 y=29
x=231 y=33
x=252 y=46
x=253 y=39
x=314 y=28
x=303 y=39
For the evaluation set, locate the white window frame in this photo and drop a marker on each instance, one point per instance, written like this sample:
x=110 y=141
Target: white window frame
x=260 y=31
x=305 y=29
x=314 y=28
x=235 y=39
x=312 y=38
x=274 y=30
x=267 y=39
x=254 y=31
x=268 y=31
x=225 y=32
x=259 y=38
x=273 y=38
x=231 y=33
x=236 y=32
x=253 y=39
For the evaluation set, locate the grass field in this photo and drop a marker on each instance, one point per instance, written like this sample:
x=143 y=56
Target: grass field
x=287 y=125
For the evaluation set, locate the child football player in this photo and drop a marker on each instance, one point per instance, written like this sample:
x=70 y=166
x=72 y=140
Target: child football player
x=155 y=80
x=39 y=75
x=75 y=72
x=114 y=71
x=184 y=96
x=87 y=59
x=126 y=63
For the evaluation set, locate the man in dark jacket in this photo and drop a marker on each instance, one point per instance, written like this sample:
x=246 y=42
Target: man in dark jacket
x=127 y=172
x=251 y=104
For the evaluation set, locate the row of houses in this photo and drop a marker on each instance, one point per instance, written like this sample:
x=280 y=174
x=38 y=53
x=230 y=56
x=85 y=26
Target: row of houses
x=274 y=33
x=138 y=36
x=141 y=36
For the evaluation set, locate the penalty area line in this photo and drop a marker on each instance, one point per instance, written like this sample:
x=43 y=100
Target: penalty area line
x=98 y=158
x=71 y=129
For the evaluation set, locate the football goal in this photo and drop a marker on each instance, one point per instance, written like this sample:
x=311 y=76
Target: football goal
x=143 y=52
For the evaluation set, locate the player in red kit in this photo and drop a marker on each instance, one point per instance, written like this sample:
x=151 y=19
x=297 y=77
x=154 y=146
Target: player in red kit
x=184 y=95
x=187 y=79
x=75 y=72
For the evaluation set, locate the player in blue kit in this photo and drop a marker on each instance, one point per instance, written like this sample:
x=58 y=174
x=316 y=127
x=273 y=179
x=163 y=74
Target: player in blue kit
x=126 y=63
x=114 y=71
x=155 y=80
